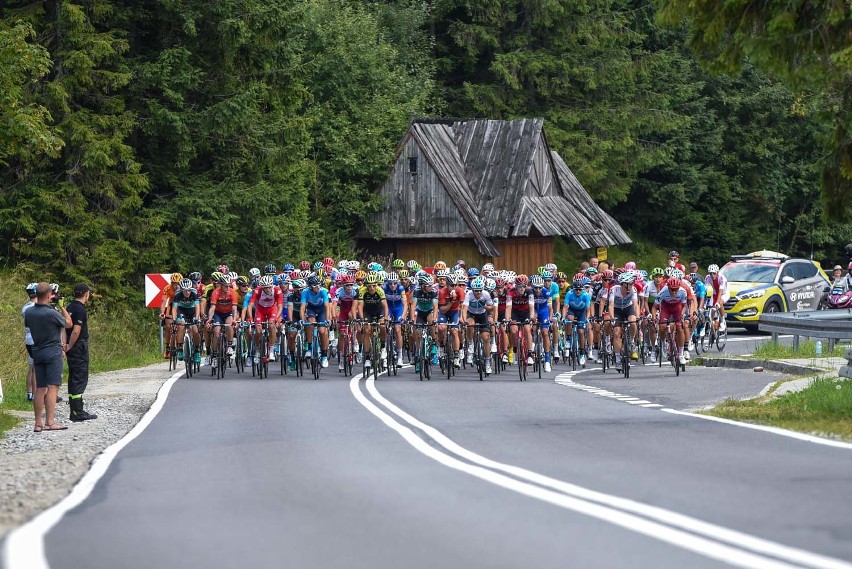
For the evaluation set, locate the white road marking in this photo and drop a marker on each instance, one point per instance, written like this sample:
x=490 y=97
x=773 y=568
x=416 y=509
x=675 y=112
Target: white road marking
x=612 y=509
x=25 y=545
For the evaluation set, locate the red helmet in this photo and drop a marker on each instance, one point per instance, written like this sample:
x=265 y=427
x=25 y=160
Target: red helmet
x=348 y=279
x=522 y=279
x=328 y=261
x=328 y=268
x=607 y=274
x=500 y=281
x=304 y=265
x=223 y=268
x=579 y=277
x=619 y=271
x=674 y=284
x=294 y=274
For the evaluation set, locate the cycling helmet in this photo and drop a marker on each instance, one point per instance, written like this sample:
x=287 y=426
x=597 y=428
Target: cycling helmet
x=642 y=273
x=547 y=275
x=674 y=283
x=618 y=271
x=313 y=280
x=560 y=276
x=304 y=265
x=578 y=276
x=225 y=280
x=550 y=267
x=578 y=282
x=490 y=285
x=629 y=266
x=500 y=281
x=849 y=268
x=625 y=278
x=392 y=278
x=288 y=268
x=31 y=289
x=411 y=264
x=294 y=274
x=677 y=273
x=318 y=265
x=659 y=272
x=304 y=274
x=269 y=269
x=382 y=276
x=284 y=282
x=674 y=253
x=668 y=271
x=299 y=283
x=360 y=275
x=184 y=284
x=233 y=276
x=607 y=274
x=488 y=267
x=713 y=269
x=176 y=278
x=536 y=281
x=195 y=276
x=540 y=270
x=342 y=264
x=242 y=281
x=473 y=272
x=223 y=268
x=266 y=281
x=426 y=280
x=522 y=279
x=442 y=273
x=477 y=284
x=254 y=272
x=372 y=279
x=348 y=279
x=398 y=263
x=374 y=267
x=403 y=273
x=217 y=277
x=328 y=261
x=591 y=271
x=587 y=281
x=639 y=276
x=353 y=266
x=440 y=265
x=694 y=278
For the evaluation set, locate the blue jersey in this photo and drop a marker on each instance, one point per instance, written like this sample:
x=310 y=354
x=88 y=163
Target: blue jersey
x=394 y=297
x=554 y=290
x=315 y=300
x=700 y=290
x=578 y=302
x=541 y=299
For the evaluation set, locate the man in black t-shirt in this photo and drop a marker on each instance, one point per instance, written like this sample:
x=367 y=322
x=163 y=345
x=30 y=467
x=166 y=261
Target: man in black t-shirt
x=77 y=352
x=45 y=325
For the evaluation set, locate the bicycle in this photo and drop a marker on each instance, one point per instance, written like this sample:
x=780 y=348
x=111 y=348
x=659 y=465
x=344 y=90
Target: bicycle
x=521 y=349
x=626 y=347
x=538 y=350
x=573 y=344
x=479 y=349
x=423 y=356
x=242 y=348
x=391 y=347
x=298 y=348
x=447 y=363
x=314 y=356
x=171 y=347
x=714 y=334
x=221 y=353
x=188 y=350
x=671 y=347
x=347 y=355
x=500 y=348
x=607 y=352
x=260 y=360
x=283 y=350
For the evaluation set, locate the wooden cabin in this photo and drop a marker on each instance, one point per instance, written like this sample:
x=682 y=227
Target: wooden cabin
x=484 y=191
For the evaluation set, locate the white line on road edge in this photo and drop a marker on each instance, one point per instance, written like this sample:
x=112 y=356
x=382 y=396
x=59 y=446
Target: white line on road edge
x=565 y=379
x=25 y=545
x=597 y=504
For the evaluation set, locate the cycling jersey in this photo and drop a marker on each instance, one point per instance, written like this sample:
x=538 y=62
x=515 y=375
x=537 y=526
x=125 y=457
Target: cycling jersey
x=519 y=300
x=651 y=291
x=295 y=298
x=372 y=301
x=554 y=293
x=450 y=298
x=424 y=301
x=541 y=300
x=668 y=297
x=186 y=302
x=619 y=299
x=345 y=297
x=477 y=305
x=578 y=303
x=393 y=296
x=719 y=286
x=264 y=300
x=224 y=301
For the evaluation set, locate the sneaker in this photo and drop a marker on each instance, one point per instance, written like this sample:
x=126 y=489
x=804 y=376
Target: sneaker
x=617 y=360
x=357 y=347
x=434 y=350
x=691 y=345
x=208 y=361
x=272 y=355
x=324 y=361
x=488 y=368
x=493 y=345
x=214 y=362
x=230 y=351
x=682 y=360
x=292 y=365
x=556 y=358
x=595 y=355
x=435 y=359
x=368 y=363
x=417 y=367
x=469 y=358
x=256 y=359
x=598 y=359
x=399 y=360
x=686 y=355
x=340 y=366
x=180 y=355
x=511 y=358
x=29 y=396
x=166 y=355
x=723 y=325
x=457 y=361
x=276 y=349
x=547 y=367
x=384 y=354
x=582 y=361
x=653 y=356
x=530 y=360
x=505 y=358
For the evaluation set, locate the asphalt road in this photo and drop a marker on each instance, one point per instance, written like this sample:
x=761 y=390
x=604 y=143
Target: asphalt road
x=282 y=472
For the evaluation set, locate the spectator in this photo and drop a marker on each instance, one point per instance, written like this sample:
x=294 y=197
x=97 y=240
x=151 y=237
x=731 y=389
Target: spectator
x=77 y=352
x=836 y=273
x=28 y=342
x=603 y=266
x=459 y=265
x=583 y=266
x=594 y=262
x=45 y=326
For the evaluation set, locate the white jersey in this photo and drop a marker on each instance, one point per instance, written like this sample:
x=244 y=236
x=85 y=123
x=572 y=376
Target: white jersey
x=477 y=305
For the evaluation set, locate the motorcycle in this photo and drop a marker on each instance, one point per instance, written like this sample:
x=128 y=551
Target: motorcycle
x=840 y=296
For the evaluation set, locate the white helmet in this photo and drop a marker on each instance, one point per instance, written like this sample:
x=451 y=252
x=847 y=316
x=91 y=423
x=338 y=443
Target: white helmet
x=713 y=268
x=266 y=280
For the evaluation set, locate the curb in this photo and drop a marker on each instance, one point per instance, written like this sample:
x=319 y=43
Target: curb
x=770 y=365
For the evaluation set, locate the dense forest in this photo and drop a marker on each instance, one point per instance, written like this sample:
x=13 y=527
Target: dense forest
x=139 y=135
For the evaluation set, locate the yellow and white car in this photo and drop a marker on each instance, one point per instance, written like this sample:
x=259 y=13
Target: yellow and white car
x=766 y=281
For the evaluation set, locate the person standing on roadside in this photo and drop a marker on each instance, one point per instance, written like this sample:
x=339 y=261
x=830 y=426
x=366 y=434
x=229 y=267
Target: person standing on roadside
x=46 y=325
x=77 y=352
x=28 y=342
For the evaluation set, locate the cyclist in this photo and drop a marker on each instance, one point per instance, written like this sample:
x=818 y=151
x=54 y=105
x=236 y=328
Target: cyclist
x=674 y=262
x=556 y=306
x=315 y=309
x=542 y=307
x=450 y=298
x=344 y=299
x=167 y=296
x=186 y=310
x=649 y=295
x=671 y=302
x=372 y=308
x=624 y=306
x=601 y=305
x=223 y=311
x=500 y=295
x=519 y=310
x=425 y=305
x=294 y=309
x=267 y=302
x=397 y=300
x=474 y=310
x=700 y=295
x=575 y=309
x=716 y=281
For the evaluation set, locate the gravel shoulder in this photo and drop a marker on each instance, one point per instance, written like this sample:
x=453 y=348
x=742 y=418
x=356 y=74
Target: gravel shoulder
x=39 y=469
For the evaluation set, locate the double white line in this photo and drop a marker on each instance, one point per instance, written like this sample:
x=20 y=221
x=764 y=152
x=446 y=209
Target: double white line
x=716 y=542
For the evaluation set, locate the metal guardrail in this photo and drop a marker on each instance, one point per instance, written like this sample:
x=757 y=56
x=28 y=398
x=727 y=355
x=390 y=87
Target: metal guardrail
x=832 y=325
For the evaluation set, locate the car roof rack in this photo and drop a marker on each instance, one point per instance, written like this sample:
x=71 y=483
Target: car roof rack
x=761 y=256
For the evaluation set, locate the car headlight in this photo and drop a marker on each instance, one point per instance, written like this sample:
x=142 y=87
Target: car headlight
x=753 y=294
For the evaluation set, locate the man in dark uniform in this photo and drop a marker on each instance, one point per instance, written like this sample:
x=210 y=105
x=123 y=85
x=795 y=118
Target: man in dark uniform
x=45 y=325
x=77 y=352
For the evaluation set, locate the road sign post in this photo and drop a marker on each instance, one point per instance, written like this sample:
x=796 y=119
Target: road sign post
x=155 y=284
x=601 y=254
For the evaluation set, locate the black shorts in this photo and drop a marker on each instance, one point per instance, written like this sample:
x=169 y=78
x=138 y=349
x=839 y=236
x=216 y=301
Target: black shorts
x=422 y=317
x=479 y=318
x=187 y=314
x=623 y=313
x=29 y=350
x=520 y=315
x=372 y=318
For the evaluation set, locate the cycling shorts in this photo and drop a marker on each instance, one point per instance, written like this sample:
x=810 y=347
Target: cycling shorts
x=343 y=316
x=580 y=316
x=221 y=317
x=373 y=317
x=674 y=312
x=263 y=314
x=317 y=313
x=395 y=312
x=481 y=319
x=721 y=301
x=624 y=313
x=449 y=317
x=543 y=319
x=186 y=314
x=422 y=317
x=520 y=315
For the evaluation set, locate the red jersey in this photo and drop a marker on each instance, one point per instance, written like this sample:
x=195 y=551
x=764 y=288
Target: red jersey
x=224 y=301
x=518 y=300
x=263 y=299
x=451 y=296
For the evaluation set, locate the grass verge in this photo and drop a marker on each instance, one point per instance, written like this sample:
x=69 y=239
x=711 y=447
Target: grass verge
x=119 y=337
x=773 y=350
x=823 y=408
x=644 y=253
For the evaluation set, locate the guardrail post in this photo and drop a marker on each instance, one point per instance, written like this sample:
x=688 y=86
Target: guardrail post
x=775 y=337
x=846 y=371
x=795 y=343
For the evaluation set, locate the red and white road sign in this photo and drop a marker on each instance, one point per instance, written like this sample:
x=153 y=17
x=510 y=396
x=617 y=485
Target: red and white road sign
x=154 y=285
